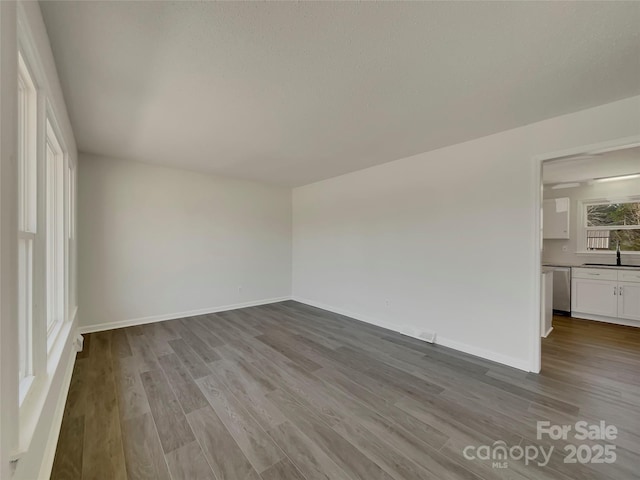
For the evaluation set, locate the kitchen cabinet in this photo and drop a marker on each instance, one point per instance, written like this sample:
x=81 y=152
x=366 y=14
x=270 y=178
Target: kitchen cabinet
x=596 y=297
x=629 y=301
x=555 y=219
x=606 y=294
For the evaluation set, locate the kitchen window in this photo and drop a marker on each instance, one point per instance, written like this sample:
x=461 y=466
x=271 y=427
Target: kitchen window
x=605 y=224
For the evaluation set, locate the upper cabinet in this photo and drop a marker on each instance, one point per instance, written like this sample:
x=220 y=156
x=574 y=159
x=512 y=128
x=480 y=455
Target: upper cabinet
x=555 y=219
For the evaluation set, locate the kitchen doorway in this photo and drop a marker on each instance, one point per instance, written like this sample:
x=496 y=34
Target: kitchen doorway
x=589 y=233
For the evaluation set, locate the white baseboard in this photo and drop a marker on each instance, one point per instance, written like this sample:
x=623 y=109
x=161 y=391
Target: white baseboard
x=548 y=332
x=172 y=316
x=601 y=318
x=486 y=354
x=445 y=342
x=52 y=442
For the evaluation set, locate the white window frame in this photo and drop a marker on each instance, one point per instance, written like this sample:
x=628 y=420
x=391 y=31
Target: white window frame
x=582 y=224
x=27 y=222
x=56 y=237
x=49 y=354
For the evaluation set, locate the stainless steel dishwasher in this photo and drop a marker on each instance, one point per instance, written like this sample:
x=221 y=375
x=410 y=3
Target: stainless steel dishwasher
x=562 y=290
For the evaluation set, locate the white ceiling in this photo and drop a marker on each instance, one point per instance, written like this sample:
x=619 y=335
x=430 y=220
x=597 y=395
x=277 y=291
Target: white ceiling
x=587 y=167
x=292 y=93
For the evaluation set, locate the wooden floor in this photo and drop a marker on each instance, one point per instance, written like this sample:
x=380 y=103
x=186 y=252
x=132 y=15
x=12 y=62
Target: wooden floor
x=287 y=391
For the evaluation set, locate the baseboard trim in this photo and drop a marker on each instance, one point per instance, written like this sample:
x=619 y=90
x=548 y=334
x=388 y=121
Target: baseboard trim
x=603 y=319
x=52 y=442
x=445 y=342
x=548 y=332
x=100 y=327
x=486 y=354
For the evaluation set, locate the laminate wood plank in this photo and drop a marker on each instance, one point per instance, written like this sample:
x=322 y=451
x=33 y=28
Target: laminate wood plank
x=258 y=349
x=306 y=392
x=254 y=317
x=189 y=463
x=78 y=391
x=172 y=425
x=157 y=339
x=184 y=387
x=132 y=399
x=251 y=438
x=142 y=350
x=378 y=411
x=438 y=465
x=102 y=454
x=225 y=457
x=169 y=329
x=258 y=379
x=120 y=347
x=216 y=325
x=210 y=338
x=249 y=394
x=306 y=455
x=393 y=462
x=450 y=418
x=67 y=464
x=143 y=452
x=187 y=330
x=408 y=384
x=192 y=362
x=235 y=319
x=283 y=470
x=343 y=453
x=280 y=346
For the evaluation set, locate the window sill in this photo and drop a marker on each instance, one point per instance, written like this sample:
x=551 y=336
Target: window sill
x=33 y=404
x=24 y=388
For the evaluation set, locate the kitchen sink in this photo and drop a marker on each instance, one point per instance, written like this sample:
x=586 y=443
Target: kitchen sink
x=609 y=265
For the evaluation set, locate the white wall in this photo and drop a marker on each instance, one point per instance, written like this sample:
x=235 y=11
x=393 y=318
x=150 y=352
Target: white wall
x=552 y=252
x=158 y=242
x=443 y=241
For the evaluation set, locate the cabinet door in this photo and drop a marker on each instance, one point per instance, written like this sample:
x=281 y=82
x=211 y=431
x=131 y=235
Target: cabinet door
x=629 y=300
x=597 y=297
x=555 y=218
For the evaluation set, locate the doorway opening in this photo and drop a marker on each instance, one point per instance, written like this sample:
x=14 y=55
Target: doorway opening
x=589 y=249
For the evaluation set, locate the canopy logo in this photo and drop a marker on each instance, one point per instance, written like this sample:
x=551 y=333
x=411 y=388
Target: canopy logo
x=499 y=453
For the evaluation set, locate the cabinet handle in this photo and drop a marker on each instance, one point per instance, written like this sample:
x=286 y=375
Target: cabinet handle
x=615 y=290
x=596 y=274
x=621 y=287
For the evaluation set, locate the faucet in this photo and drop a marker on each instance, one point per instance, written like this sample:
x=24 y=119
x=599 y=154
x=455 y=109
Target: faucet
x=618 y=261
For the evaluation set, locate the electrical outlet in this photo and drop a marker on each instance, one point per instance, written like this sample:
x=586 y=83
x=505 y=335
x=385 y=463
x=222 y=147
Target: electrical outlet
x=565 y=248
x=239 y=290
x=387 y=303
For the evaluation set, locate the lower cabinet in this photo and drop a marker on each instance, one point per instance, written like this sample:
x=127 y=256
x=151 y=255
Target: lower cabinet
x=629 y=301
x=610 y=293
x=597 y=297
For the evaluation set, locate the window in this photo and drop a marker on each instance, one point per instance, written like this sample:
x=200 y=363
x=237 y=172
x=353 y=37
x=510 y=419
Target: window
x=27 y=220
x=608 y=223
x=55 y=235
